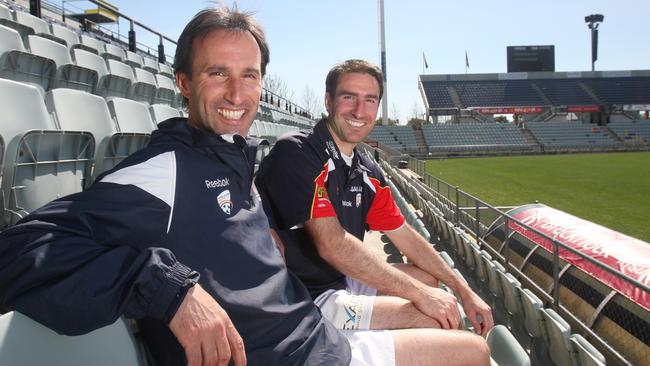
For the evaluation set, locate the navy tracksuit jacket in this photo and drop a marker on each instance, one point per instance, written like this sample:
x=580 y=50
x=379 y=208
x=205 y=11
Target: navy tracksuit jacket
x=181 y=210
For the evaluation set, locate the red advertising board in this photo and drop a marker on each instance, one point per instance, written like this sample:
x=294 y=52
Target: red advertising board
x=509 y=110
x=625 y=254
x=583 y=108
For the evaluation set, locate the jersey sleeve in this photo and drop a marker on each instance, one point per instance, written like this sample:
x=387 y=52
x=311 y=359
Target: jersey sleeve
x=384 y=215
x=292 y=183
x=81 y=262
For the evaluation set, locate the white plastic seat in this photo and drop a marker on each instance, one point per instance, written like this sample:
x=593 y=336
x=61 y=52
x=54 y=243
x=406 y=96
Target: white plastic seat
x=92 y=44
x=512 y=303
x=504 y=348
x=26 y=24
x=70 y=37
x=26 y=342
x=42 y=163
x=144 y=86
x=150 y=65
x=5 y=12
x=557 y=336
x=133 y=59
x=166 y=70
x=131 y=116
x=445 y=256
x=37 y=24
x=112 y=51
x=68 y=75
x=162 y=112
x=119 y=80
x=19 y=65
x=585 y=353
x=166 y=92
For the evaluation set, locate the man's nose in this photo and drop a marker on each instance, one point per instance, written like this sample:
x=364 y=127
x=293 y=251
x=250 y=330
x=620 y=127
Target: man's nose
x=234 y=91
x=359 y=109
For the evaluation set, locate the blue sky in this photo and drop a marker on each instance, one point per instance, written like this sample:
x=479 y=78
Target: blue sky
x=307 y=37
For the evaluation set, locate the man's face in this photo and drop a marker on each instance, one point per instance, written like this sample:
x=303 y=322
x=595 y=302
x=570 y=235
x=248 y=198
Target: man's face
x=226 y=82
x=352 y=109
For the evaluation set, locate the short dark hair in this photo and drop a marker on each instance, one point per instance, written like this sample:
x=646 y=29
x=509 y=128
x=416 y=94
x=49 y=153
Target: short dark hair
x=353 y=66
x=213 y=19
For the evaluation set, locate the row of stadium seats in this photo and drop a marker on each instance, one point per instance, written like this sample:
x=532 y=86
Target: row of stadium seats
x=449 y=136
x=463 y=137
x=570 y=134
x=632 y=132
x=50 y=55
x=544 y=334
x=537 y=92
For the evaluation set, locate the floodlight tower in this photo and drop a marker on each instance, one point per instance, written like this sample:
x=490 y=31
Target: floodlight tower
x=382 y=36
x=593 y=21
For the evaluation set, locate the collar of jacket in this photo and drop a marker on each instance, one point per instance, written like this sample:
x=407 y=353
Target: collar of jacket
x=323 y=134
x=179 y=130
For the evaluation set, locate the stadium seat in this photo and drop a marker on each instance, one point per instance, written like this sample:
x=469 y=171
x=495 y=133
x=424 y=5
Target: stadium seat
x=92 y=44
x=512 y=303
x=161 y=112
x=77 y=110
x=133 y=59
x=26 y=342
x=557 y=333
x=113 y=52
x=70 y=37
x=585 y=354
x=19 y=65
x=5 y=12
x=144 y=86
x=445 y=256
x=42 y=163
x=26 y=24
x=150 y=65
x=68 y=75
x=118 y=82
x=166 y=93
x=38 y=25
x=166 y=70
x=131 y=116
x=504 y=348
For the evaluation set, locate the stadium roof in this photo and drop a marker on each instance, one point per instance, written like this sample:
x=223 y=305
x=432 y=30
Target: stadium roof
x=531 y=92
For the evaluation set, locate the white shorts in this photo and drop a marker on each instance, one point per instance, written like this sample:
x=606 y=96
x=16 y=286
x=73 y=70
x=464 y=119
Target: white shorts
x=371 y=347
x=348 y=309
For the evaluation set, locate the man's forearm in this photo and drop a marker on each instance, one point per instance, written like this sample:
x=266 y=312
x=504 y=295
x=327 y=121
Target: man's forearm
x=346 y=253
x=422 y=254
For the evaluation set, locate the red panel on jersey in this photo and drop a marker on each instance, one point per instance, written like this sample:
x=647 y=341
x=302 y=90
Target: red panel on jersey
x=320 y=204
x=384 y=215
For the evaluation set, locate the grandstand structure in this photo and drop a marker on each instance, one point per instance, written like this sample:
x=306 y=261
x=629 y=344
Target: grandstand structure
x=553 y=112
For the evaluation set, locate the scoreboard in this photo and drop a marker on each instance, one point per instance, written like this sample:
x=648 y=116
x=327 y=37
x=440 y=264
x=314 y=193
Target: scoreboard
x=531 y=58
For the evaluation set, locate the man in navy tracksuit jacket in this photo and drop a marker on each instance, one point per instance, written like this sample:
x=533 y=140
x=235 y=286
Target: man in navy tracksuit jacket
x=175 y=235
x=180 y=211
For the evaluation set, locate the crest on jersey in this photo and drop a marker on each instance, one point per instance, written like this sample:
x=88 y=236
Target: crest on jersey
x=358 y=199
x=224 y=201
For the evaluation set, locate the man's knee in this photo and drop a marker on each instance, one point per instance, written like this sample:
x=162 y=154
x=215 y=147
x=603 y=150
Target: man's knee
x=478 y=349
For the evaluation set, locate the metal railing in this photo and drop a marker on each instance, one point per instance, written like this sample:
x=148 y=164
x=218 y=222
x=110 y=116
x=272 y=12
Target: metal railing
x=476 y=217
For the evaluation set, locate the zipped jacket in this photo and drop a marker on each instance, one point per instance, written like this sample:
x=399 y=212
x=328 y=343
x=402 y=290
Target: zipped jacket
x=181 y=211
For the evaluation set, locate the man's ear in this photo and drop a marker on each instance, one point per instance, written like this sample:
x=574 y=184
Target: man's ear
x=328 y=103
x=182 y=81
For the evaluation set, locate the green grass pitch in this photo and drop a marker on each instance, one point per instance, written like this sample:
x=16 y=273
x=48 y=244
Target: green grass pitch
x=612 y=190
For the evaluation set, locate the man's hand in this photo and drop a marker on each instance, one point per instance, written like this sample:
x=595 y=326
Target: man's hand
x=474 y=307
x=439 y=305
x=205 y=331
